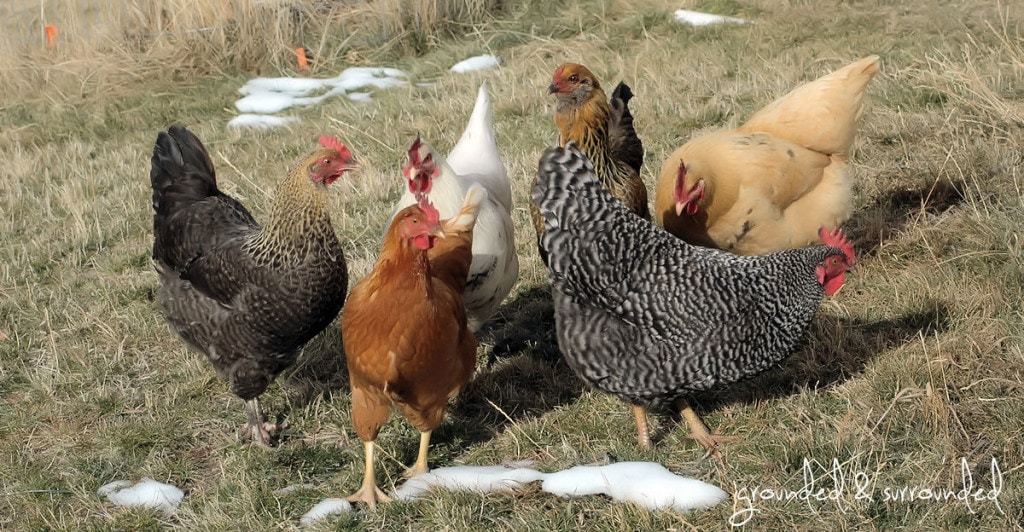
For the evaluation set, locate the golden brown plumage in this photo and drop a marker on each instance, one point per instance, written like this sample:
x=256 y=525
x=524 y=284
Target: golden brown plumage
x=604 y=133
x=774 y=181
x=404 y=328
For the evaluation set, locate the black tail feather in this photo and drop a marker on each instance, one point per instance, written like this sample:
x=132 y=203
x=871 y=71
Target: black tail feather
x=181 y=169
x=624 y=143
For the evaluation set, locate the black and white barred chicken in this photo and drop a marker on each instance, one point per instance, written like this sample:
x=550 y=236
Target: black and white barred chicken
x=643 y=315
x=248 y=297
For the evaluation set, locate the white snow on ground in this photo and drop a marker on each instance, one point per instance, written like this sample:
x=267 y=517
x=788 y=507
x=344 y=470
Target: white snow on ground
x=646 y=484
x=481 y=479
x=266 y=96
x=263 y=97
x=148 y=493
x=480 y=62
x=261 y=121
x=323 y=509
x=696 y=18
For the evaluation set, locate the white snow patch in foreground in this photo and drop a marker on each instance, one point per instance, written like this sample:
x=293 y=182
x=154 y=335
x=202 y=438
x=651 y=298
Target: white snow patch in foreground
x=646 y=484
x=148 y=493
x=323 y=509
x=261 y=121
x=480 y=62
x=481 y=479
x=696 y=18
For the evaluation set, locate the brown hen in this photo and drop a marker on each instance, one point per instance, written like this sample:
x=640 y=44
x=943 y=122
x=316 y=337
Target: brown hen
x=603 y=131
x=406 y=337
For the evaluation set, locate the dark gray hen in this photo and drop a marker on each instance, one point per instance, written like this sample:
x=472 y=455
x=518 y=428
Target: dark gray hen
x=643 y=315
x=248 y=297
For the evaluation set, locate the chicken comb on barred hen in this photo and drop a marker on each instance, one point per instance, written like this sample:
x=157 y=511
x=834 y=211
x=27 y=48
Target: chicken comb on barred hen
x=647 y=317
x=246 y=296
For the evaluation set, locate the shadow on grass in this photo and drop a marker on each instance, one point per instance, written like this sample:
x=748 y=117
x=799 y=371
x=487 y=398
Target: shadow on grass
x=871 y=226
x=837 y=349
x=320 y=368
x=522 y=376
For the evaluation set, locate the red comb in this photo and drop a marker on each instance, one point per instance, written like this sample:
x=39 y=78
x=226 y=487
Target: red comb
x=680 y=191
x=835 y=238
x=332 y=143
x=420 y=182
x=433 y=217
x=558 y=74
x=414 y=151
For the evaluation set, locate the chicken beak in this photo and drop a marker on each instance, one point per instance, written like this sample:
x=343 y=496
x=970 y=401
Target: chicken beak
x=552 y=88
x=436 y=230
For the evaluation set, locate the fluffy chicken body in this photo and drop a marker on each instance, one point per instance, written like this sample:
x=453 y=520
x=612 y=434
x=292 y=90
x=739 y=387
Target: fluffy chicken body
x=406 y=337
x=652 y=319
x=603 y=130
x=248 y=297
x=774 y=181
x=473 y=160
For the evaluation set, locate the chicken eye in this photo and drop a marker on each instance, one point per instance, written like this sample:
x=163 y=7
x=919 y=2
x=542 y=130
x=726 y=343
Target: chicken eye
x=574 y=78
x=326 y=161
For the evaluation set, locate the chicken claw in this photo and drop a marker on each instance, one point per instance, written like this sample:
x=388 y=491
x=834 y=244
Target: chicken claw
x=256 y=427
x=700 y=432
x=370 y=495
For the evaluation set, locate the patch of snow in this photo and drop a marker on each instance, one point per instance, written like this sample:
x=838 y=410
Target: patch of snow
x=482 y=479
x=643 y=483
x=480 y=62
x=289 y=86
x=261 y=121
x=323 y=509
x=267 y=96
x=696 y=18
x=359 y=96
x=265 y=102
x=148 y=493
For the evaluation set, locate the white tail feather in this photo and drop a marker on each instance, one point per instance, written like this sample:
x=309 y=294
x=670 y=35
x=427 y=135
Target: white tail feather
x=465 y=219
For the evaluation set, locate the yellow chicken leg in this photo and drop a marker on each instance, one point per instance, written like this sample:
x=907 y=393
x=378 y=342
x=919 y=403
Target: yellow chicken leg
x=420 y=466
x=369 y=492
x=642 y=435
x=700 y=432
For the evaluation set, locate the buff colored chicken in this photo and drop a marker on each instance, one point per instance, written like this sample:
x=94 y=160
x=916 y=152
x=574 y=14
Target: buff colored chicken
x=773 y=182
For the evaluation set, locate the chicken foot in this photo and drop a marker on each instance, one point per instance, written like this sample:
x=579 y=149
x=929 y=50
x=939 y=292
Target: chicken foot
x=369 y=492
x=256 y=427
x=420 y=466
x=643 y=436
x=699 y=431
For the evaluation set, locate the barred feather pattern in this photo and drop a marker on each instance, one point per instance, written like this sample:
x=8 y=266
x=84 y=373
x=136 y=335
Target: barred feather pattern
x=641 y=314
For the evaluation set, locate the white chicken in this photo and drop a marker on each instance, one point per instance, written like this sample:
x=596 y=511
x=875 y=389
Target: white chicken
x=474 y=159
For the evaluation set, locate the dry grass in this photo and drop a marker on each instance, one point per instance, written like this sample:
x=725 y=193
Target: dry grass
x=914 y=367
x=104 y=45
